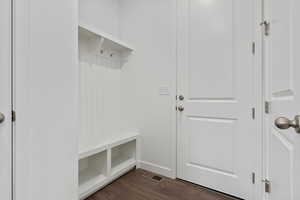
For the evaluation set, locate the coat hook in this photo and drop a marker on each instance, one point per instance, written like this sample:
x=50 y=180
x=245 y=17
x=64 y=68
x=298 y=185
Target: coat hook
x=101 y=41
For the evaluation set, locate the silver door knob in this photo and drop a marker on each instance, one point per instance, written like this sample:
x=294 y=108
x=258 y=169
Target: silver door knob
x=181 y=97
x=180 y=108
x=2 y=118
x=285 y=123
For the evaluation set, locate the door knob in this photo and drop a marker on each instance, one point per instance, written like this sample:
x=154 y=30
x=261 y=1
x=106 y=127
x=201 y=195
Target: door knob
x=181 y=97
x=2 y=118
x=285 y=123
x=180 y=108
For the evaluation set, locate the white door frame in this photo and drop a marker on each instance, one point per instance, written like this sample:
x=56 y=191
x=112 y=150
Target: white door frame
x=258 y=104
x=259 y=91
x=6 y=144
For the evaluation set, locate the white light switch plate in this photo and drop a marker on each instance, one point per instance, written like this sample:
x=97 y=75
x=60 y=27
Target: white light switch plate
x=164 y=90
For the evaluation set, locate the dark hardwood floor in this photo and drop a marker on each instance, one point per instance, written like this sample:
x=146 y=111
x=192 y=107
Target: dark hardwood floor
x=140 y=185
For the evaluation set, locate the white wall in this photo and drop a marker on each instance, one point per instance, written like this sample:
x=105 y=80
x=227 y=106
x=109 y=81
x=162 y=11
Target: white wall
x=150 y=27
x=104 y=14
x=100 y=83
x=99 y=96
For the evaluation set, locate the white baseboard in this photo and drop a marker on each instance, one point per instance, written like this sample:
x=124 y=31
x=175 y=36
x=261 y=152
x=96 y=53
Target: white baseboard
x=156 y=169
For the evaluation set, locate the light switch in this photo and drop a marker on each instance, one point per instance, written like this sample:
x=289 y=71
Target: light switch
x=164 y=90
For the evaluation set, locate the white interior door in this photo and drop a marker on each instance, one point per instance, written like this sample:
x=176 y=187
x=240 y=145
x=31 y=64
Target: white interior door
x=5 y=101
x=215 y=75
x=283 y=91
x=46 y=95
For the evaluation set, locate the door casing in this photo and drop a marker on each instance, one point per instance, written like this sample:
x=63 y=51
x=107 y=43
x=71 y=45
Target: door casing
x=6 y=145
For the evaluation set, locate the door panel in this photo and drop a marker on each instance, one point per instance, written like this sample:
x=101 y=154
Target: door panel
x=5 y=101
x=282 y=62
x=281 y=49
x=215 y=74
x=281 y=160
x=46 y=100
x=210 y=32
x=212 y=130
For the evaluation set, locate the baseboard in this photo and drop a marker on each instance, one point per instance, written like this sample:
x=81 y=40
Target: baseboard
x=156 y=169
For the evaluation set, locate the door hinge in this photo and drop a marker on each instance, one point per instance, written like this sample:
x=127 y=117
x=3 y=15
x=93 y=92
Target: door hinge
x=253 y=48
x=13 y=116
x=267 y=185
x=266 y=26
x=253 y=113
x=267 y=107
x=253 y=178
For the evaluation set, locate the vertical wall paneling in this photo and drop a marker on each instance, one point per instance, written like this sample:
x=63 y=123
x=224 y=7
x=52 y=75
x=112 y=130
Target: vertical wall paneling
x=106 y=150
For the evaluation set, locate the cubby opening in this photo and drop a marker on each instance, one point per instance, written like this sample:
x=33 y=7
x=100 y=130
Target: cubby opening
x=123 y=156
x=92 y=171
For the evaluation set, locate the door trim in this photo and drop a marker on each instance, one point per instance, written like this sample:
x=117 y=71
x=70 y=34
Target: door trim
x=13 y=89
x=259 y=92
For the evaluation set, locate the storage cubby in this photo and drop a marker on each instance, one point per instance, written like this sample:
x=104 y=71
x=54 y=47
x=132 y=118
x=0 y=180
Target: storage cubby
x=122 y=156
x=92 y=171
x=102 y=164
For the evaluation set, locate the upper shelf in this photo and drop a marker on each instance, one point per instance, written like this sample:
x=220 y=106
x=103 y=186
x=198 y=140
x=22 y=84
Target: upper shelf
x=107 y=39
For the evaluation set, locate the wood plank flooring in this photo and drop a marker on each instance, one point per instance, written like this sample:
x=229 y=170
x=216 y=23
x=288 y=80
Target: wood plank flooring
x=140 y=185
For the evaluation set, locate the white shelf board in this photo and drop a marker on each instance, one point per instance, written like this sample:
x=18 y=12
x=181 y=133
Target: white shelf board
x=92 y=151
x=123 y=165
x=124 y=138
x=91 y=187
x=90 y=181
x=116 y=43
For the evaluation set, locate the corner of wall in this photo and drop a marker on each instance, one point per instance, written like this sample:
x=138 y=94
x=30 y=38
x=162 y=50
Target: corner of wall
x=157 y=169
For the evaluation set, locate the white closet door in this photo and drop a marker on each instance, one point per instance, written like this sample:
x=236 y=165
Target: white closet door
x=5 y=101
x=215 y=129
x=47 y=84
x=283 y=91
